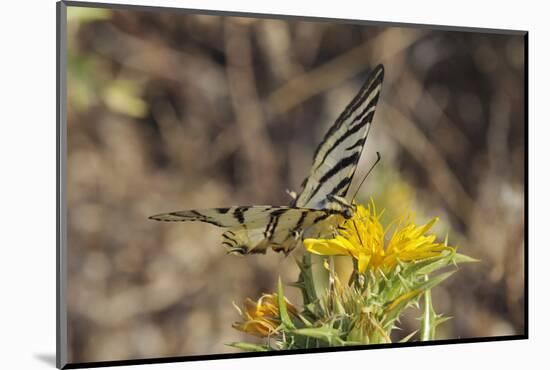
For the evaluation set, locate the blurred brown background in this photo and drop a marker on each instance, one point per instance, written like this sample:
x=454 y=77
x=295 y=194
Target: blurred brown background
x=169 y=111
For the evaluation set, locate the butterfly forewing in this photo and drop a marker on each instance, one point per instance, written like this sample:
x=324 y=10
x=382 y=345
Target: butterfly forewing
x=337 y=156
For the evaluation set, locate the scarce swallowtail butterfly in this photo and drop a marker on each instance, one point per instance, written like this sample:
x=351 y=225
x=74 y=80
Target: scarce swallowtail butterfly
x=320 y=206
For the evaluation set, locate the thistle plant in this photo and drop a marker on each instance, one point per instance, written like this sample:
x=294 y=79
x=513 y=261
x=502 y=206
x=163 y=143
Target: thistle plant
x=394 y=267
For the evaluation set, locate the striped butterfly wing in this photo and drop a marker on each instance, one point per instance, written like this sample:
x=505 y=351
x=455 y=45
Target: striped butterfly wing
x=336 y=158
x=254 y=229
x=320 y=205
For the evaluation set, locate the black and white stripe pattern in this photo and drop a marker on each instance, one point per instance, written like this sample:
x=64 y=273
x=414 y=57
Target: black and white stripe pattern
x=321 y=204
x=337 y=156
x=253 y=229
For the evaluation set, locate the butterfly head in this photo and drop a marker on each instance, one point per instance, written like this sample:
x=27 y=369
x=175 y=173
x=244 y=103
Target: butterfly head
x=349 y=211
x=341 y=206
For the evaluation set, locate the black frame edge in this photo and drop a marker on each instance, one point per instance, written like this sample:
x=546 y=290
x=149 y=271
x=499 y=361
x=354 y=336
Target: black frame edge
x=526 y=191
x=163 y=360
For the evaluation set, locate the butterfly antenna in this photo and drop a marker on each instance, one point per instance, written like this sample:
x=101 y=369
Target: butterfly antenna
x=378 y=157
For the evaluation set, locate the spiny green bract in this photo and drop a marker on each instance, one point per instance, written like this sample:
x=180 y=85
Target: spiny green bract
x=364 y=310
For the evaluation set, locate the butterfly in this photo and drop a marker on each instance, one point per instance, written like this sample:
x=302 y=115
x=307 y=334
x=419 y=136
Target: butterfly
x=320 y=206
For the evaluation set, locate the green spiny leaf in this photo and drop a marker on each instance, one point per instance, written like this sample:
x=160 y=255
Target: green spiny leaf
x=327 y=334
x=248 y=346
x=430 y=265
x=462 y=258
x=305 y=281
x=319 y=274
x=305 y=320
x=427 y=331
x=408 y=337
x=433 y=281
x=283 y=312
x=394 y=309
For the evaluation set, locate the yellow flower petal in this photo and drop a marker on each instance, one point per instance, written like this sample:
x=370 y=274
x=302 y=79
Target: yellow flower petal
x=363 y=262
x=364 y=238
x=261 y=318
x=328 y=247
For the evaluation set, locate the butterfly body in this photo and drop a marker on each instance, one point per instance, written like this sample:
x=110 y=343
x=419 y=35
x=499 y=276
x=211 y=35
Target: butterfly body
x=321 y=205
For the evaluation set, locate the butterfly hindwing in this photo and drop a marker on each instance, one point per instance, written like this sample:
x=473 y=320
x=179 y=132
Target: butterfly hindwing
x=254 y=229
x=222 y=217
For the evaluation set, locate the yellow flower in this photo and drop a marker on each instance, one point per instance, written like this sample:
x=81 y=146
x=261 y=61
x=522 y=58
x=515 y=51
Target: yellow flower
x=364 y=238
x=261 y=318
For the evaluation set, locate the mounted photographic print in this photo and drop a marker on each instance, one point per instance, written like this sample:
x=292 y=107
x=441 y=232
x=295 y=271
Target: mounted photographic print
x=235 y=185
